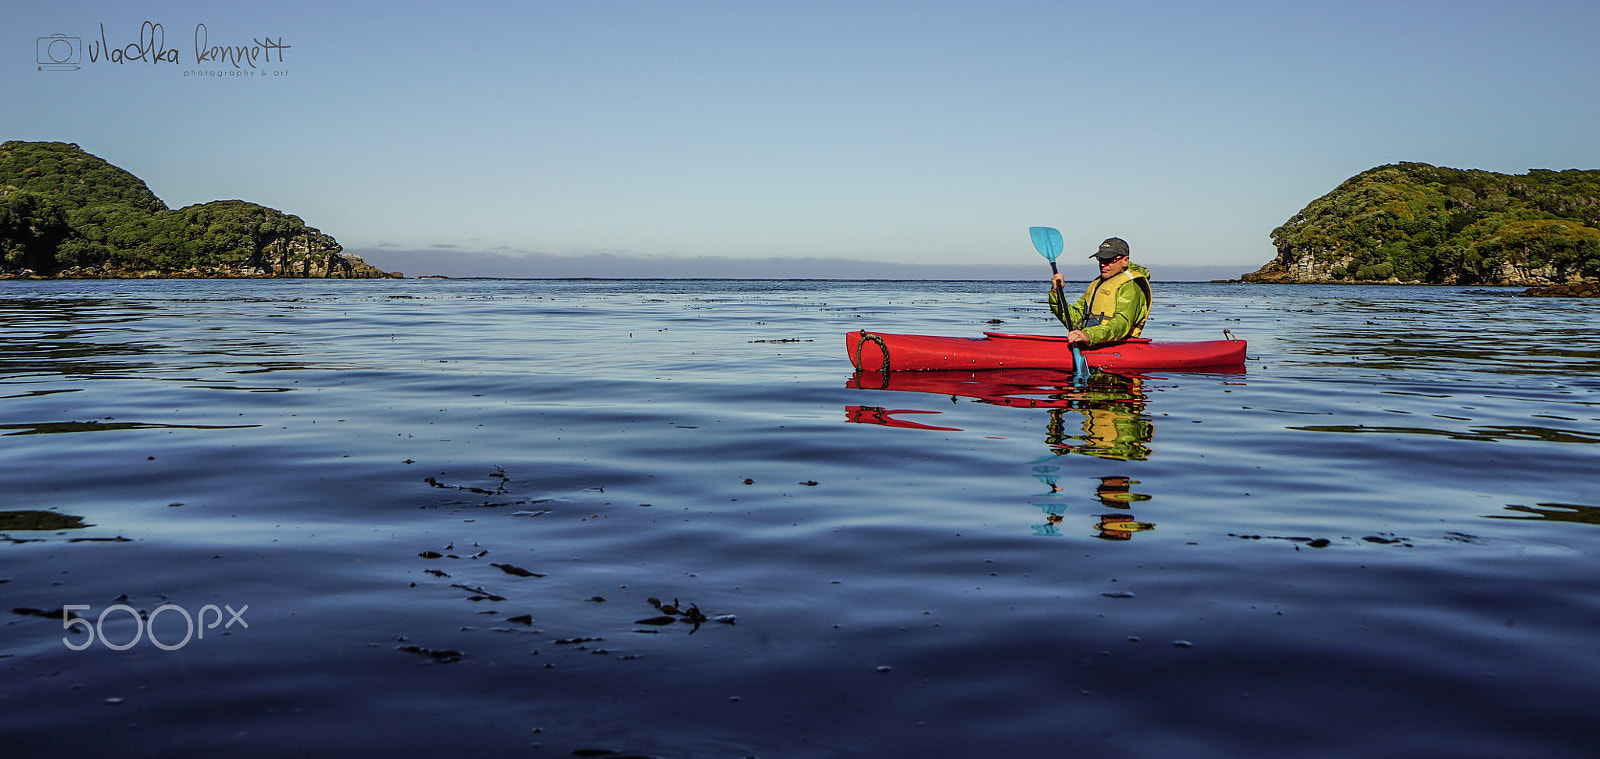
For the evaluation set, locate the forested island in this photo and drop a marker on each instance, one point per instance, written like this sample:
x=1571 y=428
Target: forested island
x=67 y=213
x=1419 y=224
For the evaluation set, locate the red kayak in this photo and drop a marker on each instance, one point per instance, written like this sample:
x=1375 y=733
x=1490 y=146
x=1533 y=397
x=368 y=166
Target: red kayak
x=883 y=352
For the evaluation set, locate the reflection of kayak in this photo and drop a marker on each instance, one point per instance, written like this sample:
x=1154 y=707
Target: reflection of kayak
x=885 y=417
x=1018 y=388
x=881 y=352
x=1113 y=424
x=1022 y=388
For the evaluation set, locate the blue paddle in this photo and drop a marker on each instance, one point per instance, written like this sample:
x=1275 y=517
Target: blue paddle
x=1047 y=241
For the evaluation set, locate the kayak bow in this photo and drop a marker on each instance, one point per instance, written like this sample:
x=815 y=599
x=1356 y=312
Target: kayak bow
x=884 y=352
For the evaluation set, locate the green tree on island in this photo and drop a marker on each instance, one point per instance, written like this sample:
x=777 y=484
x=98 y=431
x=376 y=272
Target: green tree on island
x=31 y=228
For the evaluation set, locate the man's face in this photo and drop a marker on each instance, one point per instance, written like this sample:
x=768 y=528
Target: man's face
x=1112 y=267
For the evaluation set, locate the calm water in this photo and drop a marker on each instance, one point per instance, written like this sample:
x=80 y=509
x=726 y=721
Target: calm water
x=443 y=508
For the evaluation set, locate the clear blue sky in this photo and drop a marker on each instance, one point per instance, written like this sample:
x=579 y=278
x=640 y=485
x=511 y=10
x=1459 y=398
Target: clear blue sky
x=885 y=131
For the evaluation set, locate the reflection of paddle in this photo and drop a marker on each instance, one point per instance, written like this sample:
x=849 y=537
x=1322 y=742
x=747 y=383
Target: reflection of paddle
x=1047 y=241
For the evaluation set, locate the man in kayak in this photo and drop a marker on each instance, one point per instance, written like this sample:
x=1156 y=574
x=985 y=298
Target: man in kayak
x=1114 y=306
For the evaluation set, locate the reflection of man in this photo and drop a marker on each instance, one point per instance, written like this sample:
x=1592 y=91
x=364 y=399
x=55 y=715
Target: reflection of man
x=1114 y=424
x=1116 y=492
x=1120 y=527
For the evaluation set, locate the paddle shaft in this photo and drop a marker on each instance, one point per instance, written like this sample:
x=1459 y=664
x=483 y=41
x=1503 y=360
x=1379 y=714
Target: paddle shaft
x=1080 y=369
x=1047 y=241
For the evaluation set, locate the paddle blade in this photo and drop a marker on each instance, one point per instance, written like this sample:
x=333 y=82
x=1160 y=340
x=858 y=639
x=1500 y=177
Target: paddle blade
x=1047 y=241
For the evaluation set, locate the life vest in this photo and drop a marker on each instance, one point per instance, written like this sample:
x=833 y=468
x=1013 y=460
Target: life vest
x=1102 y=298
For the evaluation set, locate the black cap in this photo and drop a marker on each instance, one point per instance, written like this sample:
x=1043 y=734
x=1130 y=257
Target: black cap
x=1113 y=247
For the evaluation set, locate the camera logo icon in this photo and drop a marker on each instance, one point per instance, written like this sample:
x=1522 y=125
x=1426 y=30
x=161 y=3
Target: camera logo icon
x=58 y=52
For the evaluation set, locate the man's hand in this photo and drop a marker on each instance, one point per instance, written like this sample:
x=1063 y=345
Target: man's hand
x=1078 y=338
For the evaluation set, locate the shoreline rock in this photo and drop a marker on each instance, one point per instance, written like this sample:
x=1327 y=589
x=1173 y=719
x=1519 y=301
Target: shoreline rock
x=1569 y=290
x=1305 y=269
x=349 y=267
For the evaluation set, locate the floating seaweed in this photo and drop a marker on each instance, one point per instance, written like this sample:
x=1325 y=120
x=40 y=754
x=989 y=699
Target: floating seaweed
x=515 y=570
x=500 y=487
x=676 y=612
x=479 y=594
x=1387 y=539
x=441 y=655
x=40 y=520
x=61 y=613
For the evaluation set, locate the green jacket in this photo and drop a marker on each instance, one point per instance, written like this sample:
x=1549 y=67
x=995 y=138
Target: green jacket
x=1132 y=306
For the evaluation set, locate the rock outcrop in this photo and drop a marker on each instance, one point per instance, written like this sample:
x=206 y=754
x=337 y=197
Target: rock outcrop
x=1412 y=223
x=324 y=266
x=1580 y=290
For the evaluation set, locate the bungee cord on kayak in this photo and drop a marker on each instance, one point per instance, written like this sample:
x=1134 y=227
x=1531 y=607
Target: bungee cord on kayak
x=882 y=346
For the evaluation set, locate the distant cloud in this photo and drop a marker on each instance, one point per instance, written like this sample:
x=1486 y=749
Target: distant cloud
x=466 y=264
